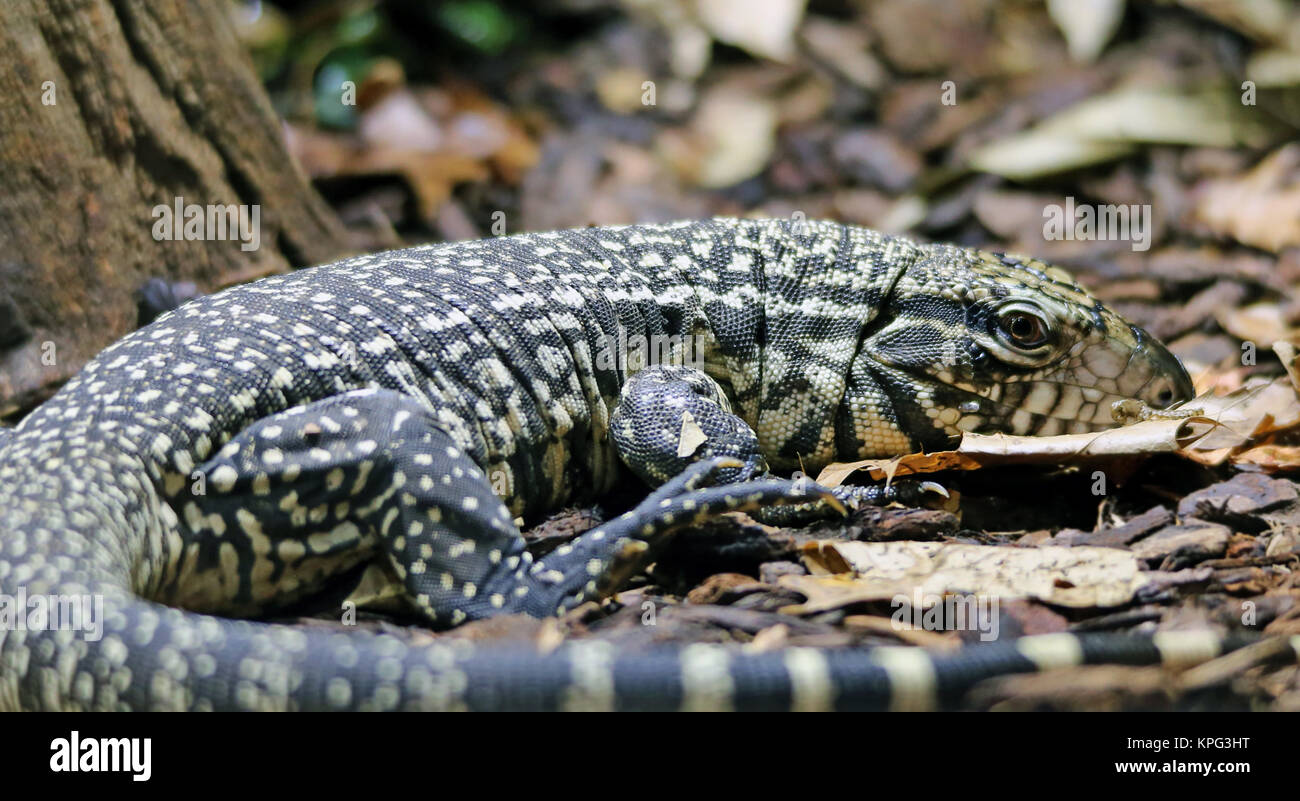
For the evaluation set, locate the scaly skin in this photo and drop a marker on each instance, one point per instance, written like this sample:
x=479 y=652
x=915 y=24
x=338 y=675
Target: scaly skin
x=401 y=409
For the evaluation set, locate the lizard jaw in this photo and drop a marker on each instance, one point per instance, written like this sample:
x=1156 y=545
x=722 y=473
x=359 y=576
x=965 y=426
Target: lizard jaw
x=1075 y=399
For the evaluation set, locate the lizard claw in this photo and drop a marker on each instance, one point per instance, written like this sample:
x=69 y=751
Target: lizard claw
x=936 y=488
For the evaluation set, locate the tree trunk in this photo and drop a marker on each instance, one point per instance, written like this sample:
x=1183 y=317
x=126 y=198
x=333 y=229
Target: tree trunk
x=108 y=110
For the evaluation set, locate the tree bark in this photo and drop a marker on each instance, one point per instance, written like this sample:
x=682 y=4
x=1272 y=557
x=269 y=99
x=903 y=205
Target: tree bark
x=151 y=100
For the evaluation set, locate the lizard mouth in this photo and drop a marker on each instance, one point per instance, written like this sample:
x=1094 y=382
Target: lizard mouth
x=1078 y=398
x=1170 y=383
x=1040 y=408
x=1078 y=402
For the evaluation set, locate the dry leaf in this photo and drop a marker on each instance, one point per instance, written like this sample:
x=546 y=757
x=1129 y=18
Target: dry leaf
x=904 y=631
x=764 y=28
x=854 y=572
x=1159 y=435
x=772 y=638
x=846 y=48
x=620 y=90
x=985 y=450
x=1244 y=416
x=432 y=176
x=730 y=139
x=1287 y=353
x=1263 y=20
x=1262 y=323
x=400 y=122
x=1087 y=24
x=1274 y=68
x=691 y=436
x=1219 y=381
x=1038 y=152
x=1271 y=458
x=1108 y=126
x=1261 y=208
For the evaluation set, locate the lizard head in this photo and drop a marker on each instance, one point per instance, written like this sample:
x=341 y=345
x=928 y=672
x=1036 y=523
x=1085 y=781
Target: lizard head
x=977 y=341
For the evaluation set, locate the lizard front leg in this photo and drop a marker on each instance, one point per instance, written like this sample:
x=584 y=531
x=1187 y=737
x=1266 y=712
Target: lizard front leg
x=310 y=492
x=670 y=417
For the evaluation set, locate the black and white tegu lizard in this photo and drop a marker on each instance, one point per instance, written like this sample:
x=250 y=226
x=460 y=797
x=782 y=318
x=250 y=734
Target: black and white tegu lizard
x=405 y=408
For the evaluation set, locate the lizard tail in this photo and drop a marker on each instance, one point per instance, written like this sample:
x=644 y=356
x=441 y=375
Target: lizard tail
x=74 y=538
x=152 y=657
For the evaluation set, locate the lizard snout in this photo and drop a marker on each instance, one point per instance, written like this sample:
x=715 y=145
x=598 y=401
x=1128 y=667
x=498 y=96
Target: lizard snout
x=1169 y=383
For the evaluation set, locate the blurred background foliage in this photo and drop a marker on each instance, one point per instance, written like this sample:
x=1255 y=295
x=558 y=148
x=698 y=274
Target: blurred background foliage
x=959 y=120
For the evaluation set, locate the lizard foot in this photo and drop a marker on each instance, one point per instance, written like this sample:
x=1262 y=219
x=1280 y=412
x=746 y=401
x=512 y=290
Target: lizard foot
x=596 y=564
x=852 y=498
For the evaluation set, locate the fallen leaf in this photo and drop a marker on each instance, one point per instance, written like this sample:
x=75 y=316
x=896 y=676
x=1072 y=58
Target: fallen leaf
x=764 y=28
x=730 y=139
x=1261 y=208
x=875 y=158
x=1271 y=458
x=856 y=572
x=620 y=90
x=1262 y=20
x=432 y=176
x=1287 y=353
x=772 y=638
x=1087 y=24
x=1108 y=126
x=1274 y=68
x=691 y=436
x=1282 y=543
x=846 y=48
x=1262 y=323
x=716 y=586
x=904 y=631
x=1038 y=152
x=1218 y=380
x=399 y=122
x=1243 y=417
x=1209 y=302
x=689 y=45
x=985 y=450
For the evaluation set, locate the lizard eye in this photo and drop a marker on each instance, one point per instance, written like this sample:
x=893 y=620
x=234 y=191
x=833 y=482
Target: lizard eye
x=1024 y=328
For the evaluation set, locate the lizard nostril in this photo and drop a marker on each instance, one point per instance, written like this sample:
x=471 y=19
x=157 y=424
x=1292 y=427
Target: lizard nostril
x=1164 y=397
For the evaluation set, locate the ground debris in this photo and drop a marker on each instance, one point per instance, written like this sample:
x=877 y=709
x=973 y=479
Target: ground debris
x=669 y=109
